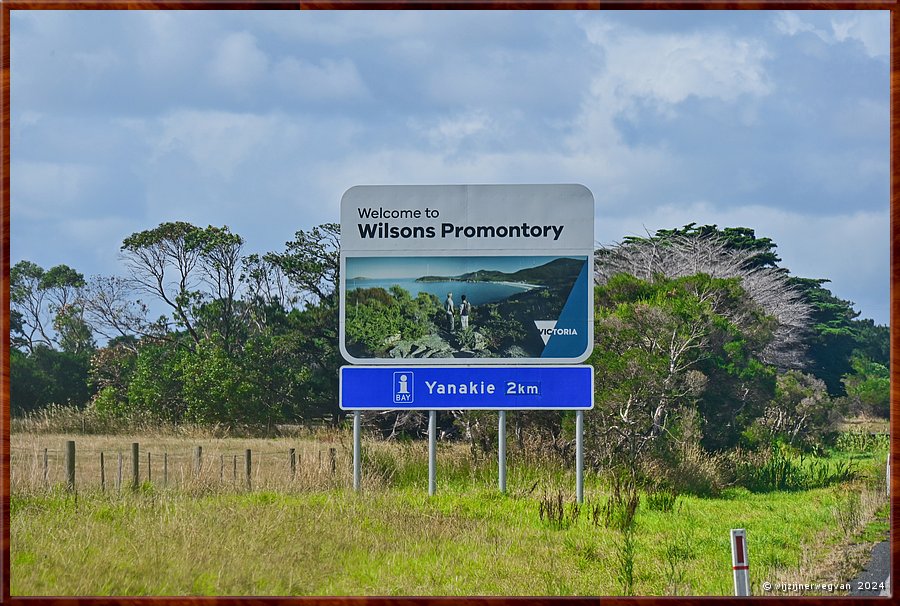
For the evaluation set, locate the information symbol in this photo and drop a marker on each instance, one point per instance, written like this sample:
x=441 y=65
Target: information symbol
x=403 y=387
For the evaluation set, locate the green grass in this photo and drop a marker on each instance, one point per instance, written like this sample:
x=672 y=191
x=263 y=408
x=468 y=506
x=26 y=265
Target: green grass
x=314 y=536
x=397 y=542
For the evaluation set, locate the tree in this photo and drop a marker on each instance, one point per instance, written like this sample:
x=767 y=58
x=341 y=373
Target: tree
x=678 y=254
x=311 y=264
x=45 y=376
x=110 y=308
x=660 y=344
x=312 y=261
x=734 y=238
x=832 y=339
x=111 y=372
x=42 y=301
x=799 y=415
x=868 y=387
x=220 y=259
x=155 y=254
x=267 y=287
x=194 y=257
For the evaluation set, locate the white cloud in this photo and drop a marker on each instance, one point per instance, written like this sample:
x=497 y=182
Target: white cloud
x=661 y=71
x=217 y=142
x=871 y=28
x=328 y=79
x=790 y=24
x=449 y=131
x=669 y=68
x=238 y=62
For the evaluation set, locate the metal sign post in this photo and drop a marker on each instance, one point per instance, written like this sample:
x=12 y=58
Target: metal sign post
x=501 y=457
x=356 y=449
x=579 y=456
x=739 y=562
x=432 y=451
x=434 y=388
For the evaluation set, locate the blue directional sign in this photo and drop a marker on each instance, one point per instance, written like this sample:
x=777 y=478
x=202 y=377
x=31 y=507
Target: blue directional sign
x=467 y=388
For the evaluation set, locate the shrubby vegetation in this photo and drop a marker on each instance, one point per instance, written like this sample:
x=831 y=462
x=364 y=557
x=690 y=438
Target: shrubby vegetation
x=704 y=344
x=376 y=319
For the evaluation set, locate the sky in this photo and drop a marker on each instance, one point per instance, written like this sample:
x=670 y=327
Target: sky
x=773 y=120
x=416 y=267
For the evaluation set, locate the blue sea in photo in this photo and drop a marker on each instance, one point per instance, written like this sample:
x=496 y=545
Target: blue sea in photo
x=477 y=293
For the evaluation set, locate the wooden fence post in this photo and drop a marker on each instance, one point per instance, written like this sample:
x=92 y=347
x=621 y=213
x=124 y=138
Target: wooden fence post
x=102 y=474
x=135 y=465
x=234 y=470
x=248 y=466
x=70 y=465
x=293 y=454
x=332 y=452
x=221 y=469
x=198 y=454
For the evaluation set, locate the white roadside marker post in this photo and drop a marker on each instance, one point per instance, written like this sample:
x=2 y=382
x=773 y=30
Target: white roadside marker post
x=357 y=463
x=579 y=456
x=432 y=451
x=740 y=563
x=501 y=457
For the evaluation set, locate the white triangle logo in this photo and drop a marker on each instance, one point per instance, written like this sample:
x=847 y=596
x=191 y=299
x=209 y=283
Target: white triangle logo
x=545 y=327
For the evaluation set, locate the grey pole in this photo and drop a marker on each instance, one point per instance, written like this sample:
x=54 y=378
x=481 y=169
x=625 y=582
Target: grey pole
x=432 y=451
x=356 y=449
x=501 y=457
x=579 y=456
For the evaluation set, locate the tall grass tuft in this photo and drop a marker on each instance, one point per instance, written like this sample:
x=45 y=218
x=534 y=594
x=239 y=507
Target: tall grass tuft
x=620 y=507
x=679 y=552
x=661 y=499
x=556 y=512
x=625 y=561
x=778 y=469
x=862 y=441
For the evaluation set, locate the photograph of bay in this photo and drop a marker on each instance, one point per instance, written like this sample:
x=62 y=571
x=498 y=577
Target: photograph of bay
x=454 y=307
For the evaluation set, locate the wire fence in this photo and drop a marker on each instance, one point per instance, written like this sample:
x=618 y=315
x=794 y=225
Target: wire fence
x=131 y=465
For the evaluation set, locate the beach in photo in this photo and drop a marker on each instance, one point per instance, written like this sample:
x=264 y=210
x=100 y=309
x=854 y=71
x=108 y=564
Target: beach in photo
x=454 y=307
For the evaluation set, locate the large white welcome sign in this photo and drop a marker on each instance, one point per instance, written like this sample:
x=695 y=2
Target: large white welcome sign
x=466 y=274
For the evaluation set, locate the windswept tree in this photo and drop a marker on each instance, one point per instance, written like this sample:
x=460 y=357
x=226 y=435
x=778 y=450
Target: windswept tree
x=162 y=262
x=113 y=311
x=195 y=271
x=46 y=308
x=679 y=254
x=311 y=264
x=269 y=292
x=311 y=261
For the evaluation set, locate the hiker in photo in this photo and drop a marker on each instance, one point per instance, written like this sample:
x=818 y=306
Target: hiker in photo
x=449 y=308
x=464 y=308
